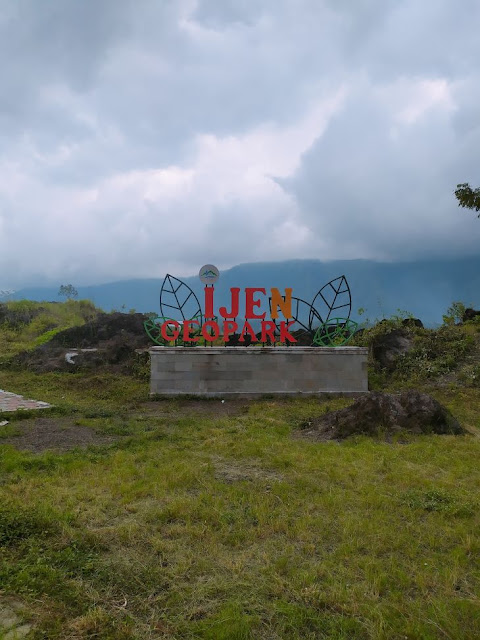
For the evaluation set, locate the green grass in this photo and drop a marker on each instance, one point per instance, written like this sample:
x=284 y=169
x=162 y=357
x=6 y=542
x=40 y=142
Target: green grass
x=194 y=525
x=73 y=391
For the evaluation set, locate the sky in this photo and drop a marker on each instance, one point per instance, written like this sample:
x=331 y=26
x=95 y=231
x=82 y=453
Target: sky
x=139 y=137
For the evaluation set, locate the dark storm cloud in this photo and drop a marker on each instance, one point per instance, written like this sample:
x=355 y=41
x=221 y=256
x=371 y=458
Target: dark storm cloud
x=140 y=136
x=51 y=42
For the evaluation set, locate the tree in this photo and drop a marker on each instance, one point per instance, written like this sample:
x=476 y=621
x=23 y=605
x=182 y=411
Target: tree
x=68 y=291
x=468 y=197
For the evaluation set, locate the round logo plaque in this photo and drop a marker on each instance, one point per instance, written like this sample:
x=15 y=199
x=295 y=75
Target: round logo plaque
x=209 y=274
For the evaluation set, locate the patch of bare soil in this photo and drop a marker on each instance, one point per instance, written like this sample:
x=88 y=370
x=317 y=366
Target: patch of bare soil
x=192 y=406
x=230 y=471
x=384 y=414
x=53 y=434
x=12 y=623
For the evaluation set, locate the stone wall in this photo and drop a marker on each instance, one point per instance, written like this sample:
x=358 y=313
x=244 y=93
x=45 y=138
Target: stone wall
x=251 y=371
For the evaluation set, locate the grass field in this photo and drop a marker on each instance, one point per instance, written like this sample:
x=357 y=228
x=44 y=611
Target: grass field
x=189 y=519
x=209 y=520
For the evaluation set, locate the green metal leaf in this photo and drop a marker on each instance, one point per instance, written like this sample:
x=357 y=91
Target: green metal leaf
x=335 y=333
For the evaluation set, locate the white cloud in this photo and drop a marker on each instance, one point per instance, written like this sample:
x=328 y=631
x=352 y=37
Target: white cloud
x=173 y=216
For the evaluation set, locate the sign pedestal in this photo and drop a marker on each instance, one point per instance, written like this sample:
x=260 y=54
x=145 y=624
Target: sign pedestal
x=256 y=371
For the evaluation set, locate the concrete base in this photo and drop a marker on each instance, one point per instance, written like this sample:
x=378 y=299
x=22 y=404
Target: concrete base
x=255 y=371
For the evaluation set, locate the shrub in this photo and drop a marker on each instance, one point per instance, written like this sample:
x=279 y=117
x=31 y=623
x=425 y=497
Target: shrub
x=435 y=352
x=454 y=313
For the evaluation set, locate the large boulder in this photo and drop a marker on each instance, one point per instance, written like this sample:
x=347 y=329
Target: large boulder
x=387 y=347
x=385 y=413
x=470 y=314
x=412 y=322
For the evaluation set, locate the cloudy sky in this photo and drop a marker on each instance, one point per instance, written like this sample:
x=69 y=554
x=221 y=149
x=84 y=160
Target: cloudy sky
x=145 y=136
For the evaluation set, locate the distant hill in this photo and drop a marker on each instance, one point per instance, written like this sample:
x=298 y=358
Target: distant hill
x=424 y=288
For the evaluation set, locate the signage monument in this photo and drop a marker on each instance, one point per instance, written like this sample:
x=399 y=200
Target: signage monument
x=259 y=341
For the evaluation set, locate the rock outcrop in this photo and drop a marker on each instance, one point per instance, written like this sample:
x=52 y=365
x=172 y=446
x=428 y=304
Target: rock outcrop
x=387 y=347
x=385 y=414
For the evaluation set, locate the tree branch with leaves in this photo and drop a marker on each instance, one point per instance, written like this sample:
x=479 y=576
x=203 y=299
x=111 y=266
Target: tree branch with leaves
x=67 y=291
x=468 y=197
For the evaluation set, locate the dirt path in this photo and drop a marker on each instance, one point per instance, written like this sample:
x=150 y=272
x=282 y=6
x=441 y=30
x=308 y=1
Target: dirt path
x=53 y=434
x=63 y=433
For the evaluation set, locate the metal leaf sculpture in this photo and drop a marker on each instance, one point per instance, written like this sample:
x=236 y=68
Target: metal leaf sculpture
x=177 y=300
x=304 y=316
x=153 y=330
x=153 y=327
x=333 y=296
x=316 y=322
x=335 y=333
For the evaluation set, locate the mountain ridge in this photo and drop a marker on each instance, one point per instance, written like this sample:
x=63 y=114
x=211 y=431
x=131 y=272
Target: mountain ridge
x=424 y=288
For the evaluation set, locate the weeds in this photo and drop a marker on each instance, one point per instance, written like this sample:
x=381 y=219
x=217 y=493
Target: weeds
x=435 y=352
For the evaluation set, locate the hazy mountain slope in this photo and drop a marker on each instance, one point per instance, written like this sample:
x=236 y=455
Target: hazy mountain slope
x=425 y=289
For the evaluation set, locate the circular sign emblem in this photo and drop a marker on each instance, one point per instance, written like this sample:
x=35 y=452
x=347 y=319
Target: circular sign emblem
x=208 y=274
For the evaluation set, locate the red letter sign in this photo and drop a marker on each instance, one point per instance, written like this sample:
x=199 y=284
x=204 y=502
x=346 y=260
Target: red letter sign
x=175 y=332
x=186 y=331
x=250 y=303
x=209 y=315
x=284 y=333
x=234 y=291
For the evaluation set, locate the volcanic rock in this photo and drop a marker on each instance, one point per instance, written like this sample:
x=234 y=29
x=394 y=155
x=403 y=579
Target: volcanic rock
x=412 y=322
x=387 y=347
x=385 y=413
x=470 y=314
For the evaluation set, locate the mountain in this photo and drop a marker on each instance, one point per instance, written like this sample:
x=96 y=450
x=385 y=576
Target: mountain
x=424 y=288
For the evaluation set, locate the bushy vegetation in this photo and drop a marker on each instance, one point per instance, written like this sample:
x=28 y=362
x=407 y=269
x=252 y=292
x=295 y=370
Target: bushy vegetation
x=453 y=348
x=435 y=352
x=25 y=324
